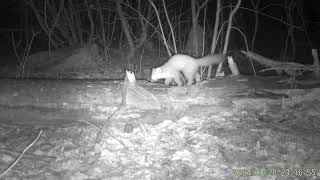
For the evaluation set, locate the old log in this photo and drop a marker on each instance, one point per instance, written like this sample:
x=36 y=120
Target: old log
x=56 y=102
x=65 y=102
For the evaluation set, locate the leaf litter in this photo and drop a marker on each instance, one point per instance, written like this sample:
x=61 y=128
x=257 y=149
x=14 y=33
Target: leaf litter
x=199 y=143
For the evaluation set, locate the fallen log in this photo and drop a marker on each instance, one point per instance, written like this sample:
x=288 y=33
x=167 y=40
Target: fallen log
x=278 y=65
x=45 y=103
x=56 y=102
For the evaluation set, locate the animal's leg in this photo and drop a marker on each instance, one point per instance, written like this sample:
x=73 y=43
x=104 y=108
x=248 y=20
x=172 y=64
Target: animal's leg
x=167 y=81
x=198 y=77
x=178 y=79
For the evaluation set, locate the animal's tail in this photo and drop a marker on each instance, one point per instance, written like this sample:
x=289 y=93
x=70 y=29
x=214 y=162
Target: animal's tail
x=210 y=59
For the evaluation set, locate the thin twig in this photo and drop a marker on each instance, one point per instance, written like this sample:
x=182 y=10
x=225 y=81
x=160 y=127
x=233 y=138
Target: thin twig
x=269 y=16
x=17 y=160
x=101 y=130
x=172 y=32
x=160 y=25
x=28 y=155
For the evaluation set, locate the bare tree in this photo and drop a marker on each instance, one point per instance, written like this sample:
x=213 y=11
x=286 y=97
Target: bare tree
x=195 y=16
x=215 y=34
x=144 y=23
x=125 y=27
x=226 y=42
x=256 y=22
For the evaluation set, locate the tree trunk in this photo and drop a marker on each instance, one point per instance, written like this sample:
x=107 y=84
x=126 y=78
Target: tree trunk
x=256 y=24
x=194 y=27
x=215 y=34
x=226 y=42
x=125 y=26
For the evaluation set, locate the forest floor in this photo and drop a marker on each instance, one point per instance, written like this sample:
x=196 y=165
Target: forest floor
x=266 y=134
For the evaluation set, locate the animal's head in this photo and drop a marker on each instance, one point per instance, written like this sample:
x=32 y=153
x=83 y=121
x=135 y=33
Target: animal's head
x=156 y=74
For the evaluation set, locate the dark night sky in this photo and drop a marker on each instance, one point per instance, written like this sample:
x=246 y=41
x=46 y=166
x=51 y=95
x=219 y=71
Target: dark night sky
x=12 y=16
x=11 y=13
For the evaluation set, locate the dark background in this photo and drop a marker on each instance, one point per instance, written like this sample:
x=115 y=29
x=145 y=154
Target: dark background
x=17 y=18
